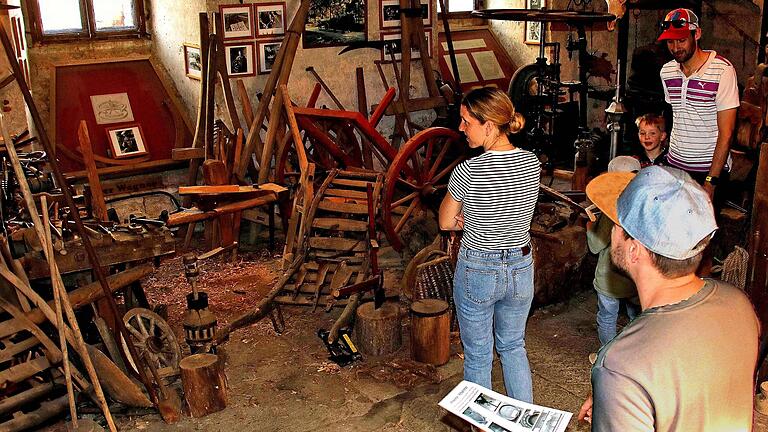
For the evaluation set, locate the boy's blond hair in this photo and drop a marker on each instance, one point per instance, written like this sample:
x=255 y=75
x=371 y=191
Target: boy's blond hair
x=652 y=119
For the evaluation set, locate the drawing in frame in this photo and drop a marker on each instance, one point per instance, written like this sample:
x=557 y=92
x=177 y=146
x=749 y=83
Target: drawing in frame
x=395 y=38
x=193 y=63
x=270 y=19
x=111 y=108
x=267 y=50
x=389 y=13
x=237 y=21
x=126 y=141
x=335 y=24
x=533 y=28
x=240 y=59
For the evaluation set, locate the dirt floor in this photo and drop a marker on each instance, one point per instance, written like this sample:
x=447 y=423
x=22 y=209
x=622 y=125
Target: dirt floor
x=285 y=382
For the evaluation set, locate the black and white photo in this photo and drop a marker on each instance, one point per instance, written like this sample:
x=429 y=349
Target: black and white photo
x=126 y=142
x=237 y=21
x=390 y=13
x=270 y=18
x=267 y=55
x=395 y=44
x=240 y=59
x=533 y=28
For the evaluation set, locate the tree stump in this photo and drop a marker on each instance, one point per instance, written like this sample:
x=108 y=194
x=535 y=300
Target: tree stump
x=430 y=331
x=204 y=382
x=377 y=331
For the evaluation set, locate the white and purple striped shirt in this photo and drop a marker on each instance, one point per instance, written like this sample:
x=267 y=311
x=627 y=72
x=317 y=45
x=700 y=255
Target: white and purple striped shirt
x=695 y=102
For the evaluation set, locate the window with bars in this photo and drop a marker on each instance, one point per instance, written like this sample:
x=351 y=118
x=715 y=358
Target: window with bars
x=85 y=19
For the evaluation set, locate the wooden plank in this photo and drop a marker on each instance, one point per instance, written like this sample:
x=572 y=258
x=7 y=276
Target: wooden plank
x=15 y=348
x=303 y=301
x=333 y=255
x=26 y=421
x=220 y=190
x=20 y=372
x=24 y=398
x=340 y=224
x=313 y=265
x=138 y=168
x=346 y=193
x=196 y=215
x=342 y=207
x=338 y=244
x=98 y=206
x=351 y=183
x=187 y=153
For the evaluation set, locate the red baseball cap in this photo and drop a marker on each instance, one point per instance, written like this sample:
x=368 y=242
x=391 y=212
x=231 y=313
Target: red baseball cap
x=678 y=24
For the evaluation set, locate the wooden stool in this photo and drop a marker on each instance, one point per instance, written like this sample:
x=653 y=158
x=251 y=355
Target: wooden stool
x=204 y=383
x=377 y=331
x=430 y=331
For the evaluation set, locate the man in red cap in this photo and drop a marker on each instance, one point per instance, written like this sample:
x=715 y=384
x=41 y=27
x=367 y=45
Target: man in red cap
x=701 y=86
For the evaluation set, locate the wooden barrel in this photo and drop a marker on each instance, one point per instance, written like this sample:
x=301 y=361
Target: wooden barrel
x=430 y=331
x=377 y=331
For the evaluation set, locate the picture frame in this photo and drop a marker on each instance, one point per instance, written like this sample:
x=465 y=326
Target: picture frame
x=193 y=63
x=126 y=141
x=237 y=21
x=270 y=19
x=240 y=59
x=111 y=108
x=267 y=50
x=342 y=23
x=389 y=13
x=533 y=28
x=385 y=55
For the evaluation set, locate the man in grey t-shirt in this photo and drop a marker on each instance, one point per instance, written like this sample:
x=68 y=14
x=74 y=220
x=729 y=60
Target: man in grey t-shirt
x=687 y=362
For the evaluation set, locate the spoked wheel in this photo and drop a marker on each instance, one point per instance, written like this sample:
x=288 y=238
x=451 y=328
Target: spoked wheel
x=417 y=179
x=153 y=339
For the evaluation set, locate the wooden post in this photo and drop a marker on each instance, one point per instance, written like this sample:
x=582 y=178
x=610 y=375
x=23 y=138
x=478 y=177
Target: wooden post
x=97 y=195
x=377 y=331
x=430 y=331
x=204 y=383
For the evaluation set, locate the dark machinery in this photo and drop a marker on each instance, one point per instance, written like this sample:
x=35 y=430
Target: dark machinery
x=536 y=88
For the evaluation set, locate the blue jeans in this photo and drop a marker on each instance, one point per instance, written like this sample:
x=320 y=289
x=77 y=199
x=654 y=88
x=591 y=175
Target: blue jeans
x=493 y=292
x=608 y=314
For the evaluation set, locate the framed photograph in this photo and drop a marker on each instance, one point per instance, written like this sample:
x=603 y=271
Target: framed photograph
x=270 y=19
x=267 y=54
x=193 y=63
x=126 y=141
x=237 y=21
x=240 y=59
x=389 y=13
x=396 y=46
x=112 y=108
x=533 y=28
x=335 y=24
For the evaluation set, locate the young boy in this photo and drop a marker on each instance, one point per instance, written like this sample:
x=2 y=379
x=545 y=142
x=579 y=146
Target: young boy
x=651 y=132
x=613 y=287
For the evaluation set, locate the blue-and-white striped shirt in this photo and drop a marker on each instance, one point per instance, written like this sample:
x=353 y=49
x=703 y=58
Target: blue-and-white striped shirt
x=695 y=102
x=498 y=191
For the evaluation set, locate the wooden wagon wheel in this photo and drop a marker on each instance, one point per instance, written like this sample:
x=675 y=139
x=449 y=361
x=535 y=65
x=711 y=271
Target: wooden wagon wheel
x=418 y=177
x=153 y=339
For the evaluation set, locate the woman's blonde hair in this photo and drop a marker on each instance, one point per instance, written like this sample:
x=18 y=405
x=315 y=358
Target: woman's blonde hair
x=493 y=105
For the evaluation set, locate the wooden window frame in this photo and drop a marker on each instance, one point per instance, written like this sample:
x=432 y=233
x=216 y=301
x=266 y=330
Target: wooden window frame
x=87 y=18
x=478 y=4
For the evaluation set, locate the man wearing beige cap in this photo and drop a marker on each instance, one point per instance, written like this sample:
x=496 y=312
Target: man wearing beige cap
x=687 y=362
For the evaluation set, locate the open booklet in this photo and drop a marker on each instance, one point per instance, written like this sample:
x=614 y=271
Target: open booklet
x=491 y=411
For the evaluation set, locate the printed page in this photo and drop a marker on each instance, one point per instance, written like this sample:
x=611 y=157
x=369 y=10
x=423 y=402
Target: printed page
x=495 y=412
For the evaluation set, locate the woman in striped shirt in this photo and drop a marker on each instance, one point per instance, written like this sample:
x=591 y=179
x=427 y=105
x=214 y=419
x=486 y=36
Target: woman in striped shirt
x=492 y=198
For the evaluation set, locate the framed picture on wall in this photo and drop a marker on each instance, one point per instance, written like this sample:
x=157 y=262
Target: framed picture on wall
x=193 y=63
x=395 y=45
x=389 y=13
x=240 y=59
x=335 y=24
x=267 y=55
x=533 y=28
x=126 y=141
x=270 y=19
x=237 y=21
